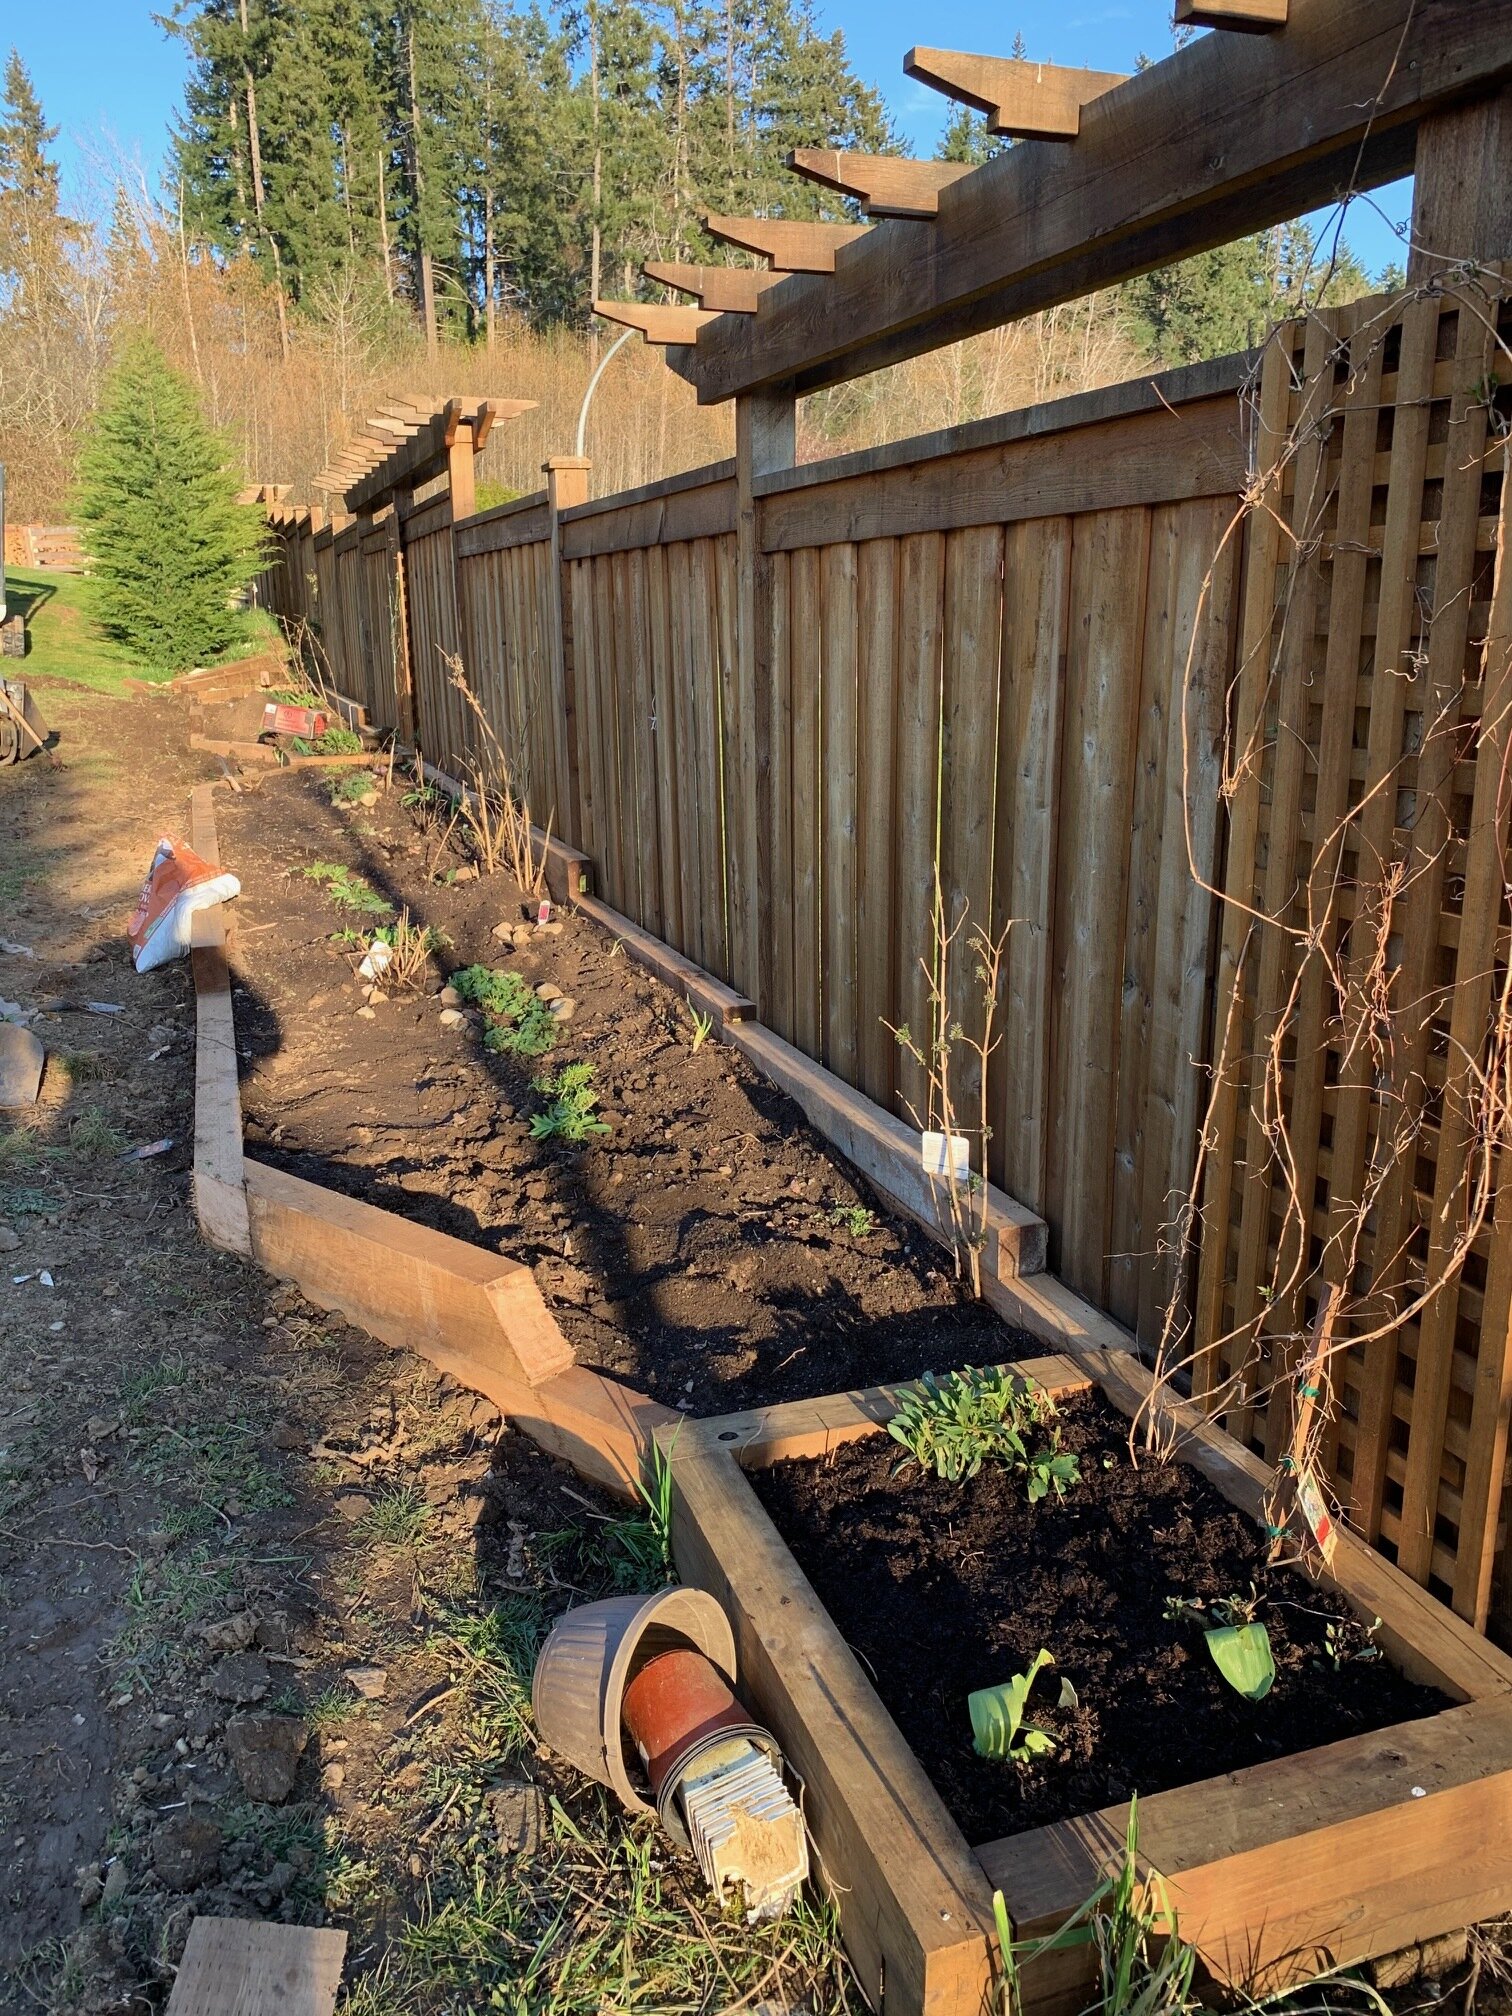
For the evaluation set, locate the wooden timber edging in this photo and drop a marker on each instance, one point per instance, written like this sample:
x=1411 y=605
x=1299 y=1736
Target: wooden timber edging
x=1323 y=1859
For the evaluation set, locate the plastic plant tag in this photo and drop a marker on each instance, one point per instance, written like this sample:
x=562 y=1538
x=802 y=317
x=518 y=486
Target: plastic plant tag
x=1242 y=1654
x=946 y=1155
x=1314 y=1509
x=545 y=912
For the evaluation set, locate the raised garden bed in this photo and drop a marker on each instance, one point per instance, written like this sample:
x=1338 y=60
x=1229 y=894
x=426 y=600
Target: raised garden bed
x=1322 y=1834
x=711 y=1250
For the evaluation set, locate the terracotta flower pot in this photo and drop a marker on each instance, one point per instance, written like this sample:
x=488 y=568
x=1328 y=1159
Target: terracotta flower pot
x=591 y=1657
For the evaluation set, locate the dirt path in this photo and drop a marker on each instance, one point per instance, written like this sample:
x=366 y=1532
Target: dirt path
x=269 y=1592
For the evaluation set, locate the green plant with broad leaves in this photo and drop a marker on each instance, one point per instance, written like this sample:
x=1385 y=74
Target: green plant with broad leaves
x=519 y=1024
x=1237 y=1641
x=998 y=1728
x=954 y=1425
x=570 y=1115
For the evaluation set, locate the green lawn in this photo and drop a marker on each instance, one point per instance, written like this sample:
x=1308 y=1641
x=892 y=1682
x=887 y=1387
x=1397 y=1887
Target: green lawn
x=63 y=642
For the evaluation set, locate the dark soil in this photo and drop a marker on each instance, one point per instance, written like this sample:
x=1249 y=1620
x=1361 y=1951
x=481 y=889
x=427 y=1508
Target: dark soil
x=698 y=1251
x=942 y=1589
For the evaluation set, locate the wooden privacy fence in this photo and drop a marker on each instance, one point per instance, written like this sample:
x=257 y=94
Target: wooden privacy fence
x=1161 y=681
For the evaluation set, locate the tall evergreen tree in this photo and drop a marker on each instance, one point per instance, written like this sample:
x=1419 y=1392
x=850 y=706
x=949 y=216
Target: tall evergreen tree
x=170 y=548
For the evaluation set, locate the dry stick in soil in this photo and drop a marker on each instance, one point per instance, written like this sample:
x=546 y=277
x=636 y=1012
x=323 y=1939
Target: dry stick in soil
x=1368 y=1018
x=495 y=812
x=963 y=1217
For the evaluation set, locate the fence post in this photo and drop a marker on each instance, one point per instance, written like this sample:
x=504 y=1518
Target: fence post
x=406 y=718
x=566 y=485
x=1462 y=194
x=766 y=440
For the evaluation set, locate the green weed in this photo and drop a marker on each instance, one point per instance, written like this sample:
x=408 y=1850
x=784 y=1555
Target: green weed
x=703 y=1026
x=346 y=787
x=570 y=1115
x=397 y=1516
x=329 y=742
x=91 y=1137
x=163 y=1600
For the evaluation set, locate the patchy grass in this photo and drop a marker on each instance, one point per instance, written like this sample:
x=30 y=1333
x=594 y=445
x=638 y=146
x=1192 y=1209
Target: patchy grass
x=64 y=640
x=397 y=1516
x=92 y=1138
x=164 y=1600
x=348 y=891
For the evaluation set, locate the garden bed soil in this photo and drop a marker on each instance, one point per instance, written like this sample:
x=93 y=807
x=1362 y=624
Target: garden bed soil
x=701 y=1251
x=941 y=1589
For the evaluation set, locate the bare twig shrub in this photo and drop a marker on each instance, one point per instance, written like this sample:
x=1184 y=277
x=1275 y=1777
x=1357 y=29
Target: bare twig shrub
x=494 y=807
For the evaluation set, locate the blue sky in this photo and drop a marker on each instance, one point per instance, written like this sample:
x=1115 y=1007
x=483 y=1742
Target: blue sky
x=111 y=78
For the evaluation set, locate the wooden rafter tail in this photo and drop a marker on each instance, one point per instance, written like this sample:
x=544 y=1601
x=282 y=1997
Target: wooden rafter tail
x=885 y=185
x=793 y=245
x=1031 y=101
x=658 y=324
x=722 y=290
x=1251 y=17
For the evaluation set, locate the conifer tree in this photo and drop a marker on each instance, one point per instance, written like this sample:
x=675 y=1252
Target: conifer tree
x=170 y=548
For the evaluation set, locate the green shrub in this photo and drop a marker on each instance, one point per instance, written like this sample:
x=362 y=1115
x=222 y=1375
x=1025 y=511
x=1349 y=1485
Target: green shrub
x=519 y=1023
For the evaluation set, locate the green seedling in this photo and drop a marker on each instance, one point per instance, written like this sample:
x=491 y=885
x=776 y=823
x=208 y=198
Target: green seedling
x=1345 y=1643
x=997 y=1718
x=570 y=1115
x=854 y=1218
x=519 y=1023
x=348 y=891
x=703 y=1026
x=329 y=742
x=954 y=1426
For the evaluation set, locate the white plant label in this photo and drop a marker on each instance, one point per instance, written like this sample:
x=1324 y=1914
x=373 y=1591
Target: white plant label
x=947 y=1156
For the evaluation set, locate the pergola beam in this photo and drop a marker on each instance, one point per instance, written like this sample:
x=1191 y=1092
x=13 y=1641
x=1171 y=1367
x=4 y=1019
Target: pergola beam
x=885 y=185
x=1033 y=101
x=660 y=323
x=1252 y=17
x=723 y=290
x=1229 y=135
x=792 y=244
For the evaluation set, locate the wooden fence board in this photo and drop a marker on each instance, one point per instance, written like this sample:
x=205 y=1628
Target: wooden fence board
x=775 y=981
x=808 y=969
x=839 y=784
x=877 y=729
x=916 y=778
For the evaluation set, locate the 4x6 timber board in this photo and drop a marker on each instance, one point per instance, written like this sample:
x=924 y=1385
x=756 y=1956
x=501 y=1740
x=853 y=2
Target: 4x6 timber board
x=1325 y=1858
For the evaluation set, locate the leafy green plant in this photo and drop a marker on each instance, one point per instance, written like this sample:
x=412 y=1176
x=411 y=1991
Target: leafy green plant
x=703 y=1026
x=347 y=890
x=519 y=1022
x=854 y=1218
x=570 y=1116
x=647 y=1536
x=997 y=1718
x=348 y=787
x=954 y=1426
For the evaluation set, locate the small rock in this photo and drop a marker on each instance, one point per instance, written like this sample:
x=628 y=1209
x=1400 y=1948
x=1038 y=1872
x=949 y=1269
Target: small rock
x=288 y=1435
x=467 y=873
x=281 y=1877
x=523 y=933
x=186 y=1852
x=564 y=1009
x=547 y=992
x=449 y=998
x=377 y=998
x=333 y=1777
x=273 y=1633
x=504 y=933
x=453 y=1018
x=367 y=799
x=367 y=1014
x=10 y=1240
x=230 y=1634
x=91 y=1886
x=551 y=930
x=243 y=1677
x=117 y=1876
x=266 y=1750
x=21 y=1061
x=371 y=1682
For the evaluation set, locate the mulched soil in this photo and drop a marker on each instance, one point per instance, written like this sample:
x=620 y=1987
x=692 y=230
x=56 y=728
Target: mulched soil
x=698 y=1251
x=944 y=1588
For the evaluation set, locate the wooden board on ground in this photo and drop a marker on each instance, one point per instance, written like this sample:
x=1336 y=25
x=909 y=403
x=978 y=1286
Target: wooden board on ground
x=220 y=1202
x=405 y=1283
x=235 y=1967
x=701 y=989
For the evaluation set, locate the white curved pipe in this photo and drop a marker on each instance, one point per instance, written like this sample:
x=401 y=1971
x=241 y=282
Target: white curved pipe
x=603 y=366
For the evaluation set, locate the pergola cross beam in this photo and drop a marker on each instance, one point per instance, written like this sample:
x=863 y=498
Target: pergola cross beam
x=1033 y=101
x=885 y=185
x=1227 y=136
x=410 y=444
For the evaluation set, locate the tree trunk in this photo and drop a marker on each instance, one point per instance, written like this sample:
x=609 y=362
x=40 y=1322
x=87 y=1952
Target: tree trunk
x=427 y=280
x=254 y=148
